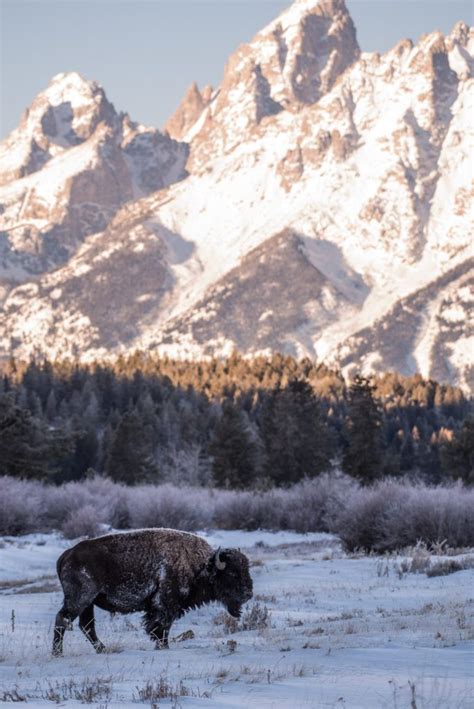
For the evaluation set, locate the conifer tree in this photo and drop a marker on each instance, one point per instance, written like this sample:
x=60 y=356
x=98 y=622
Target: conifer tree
x=457 y=455
x=235 y=449
x=130 y=457
x=28 y=448
x=363 y=456
x=296 y=438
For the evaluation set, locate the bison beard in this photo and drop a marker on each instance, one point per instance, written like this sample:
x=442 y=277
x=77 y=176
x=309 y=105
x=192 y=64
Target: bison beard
x=160 y=572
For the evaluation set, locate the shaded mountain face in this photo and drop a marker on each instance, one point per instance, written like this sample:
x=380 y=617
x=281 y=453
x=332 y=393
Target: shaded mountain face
x=430 y=331
x=264 y=304
x=98 y=299
x=319 y=202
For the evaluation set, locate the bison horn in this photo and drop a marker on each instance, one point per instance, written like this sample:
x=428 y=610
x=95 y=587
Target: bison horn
x=220 y=565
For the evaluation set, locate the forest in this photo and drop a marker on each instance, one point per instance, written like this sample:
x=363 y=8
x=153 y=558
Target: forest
x=235 y=424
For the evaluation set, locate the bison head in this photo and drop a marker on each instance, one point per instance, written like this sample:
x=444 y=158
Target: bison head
x=233 y=584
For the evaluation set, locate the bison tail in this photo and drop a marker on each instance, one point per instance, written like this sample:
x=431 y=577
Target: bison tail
x=60 y=562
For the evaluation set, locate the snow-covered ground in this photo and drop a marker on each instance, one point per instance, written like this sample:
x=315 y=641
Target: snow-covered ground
x=341 y=630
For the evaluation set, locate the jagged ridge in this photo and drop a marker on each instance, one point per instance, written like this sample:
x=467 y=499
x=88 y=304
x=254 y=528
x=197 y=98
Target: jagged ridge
x=326 y=187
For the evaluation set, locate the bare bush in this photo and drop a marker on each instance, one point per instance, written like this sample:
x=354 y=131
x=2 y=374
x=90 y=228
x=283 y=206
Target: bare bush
x=169 y=506
x=430 y=514
x=20 y=505
x=228 y=622
x=108 y=499
x=87 y=692
x=12 y=695
x=255 y=617
x=312 y=504
x=449 y=566
x=82 y=523
x=419 y=563
x=234 y=510
x=153 y=691
x=360 y=520
x=308 y=506
x=390 y=515
x=393 y=515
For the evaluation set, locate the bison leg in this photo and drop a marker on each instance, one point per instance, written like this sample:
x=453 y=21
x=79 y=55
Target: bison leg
x=87 y=625
x=157 y=625
x=64 y=620
x=79 y=593
x=161 y=634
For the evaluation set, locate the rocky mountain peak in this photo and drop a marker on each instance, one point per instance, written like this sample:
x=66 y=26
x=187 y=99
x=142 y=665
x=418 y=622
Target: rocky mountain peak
x=193 y=103
x=312 y=43
x=62 y=116
x=70 y=165
x=292 y=62
x=69 y=110
x=462 y=33
x=301 y=8
x=64 y=85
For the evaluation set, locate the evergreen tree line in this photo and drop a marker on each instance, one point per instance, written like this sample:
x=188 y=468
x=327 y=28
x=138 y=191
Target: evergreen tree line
x=236 y=423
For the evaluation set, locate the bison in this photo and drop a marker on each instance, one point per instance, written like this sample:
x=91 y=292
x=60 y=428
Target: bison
x=159 y=572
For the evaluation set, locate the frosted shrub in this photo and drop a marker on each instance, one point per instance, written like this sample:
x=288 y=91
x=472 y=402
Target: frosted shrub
x=20 y=505
x=235 y=510
x=311 y=505
x=229 y=623
x=169 y=506
x=106 y=498
x=306 y=507
x=361 y=519
x=390 y=515
x=395 y=514
x=449 y=566
x=431 y=515
x=82 y=523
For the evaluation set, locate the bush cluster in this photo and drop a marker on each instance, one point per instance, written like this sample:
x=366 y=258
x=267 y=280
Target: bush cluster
x=389 y=515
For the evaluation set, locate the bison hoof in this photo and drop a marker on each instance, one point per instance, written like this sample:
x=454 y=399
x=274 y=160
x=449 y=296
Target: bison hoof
x=57 y=652
x=162 y=645
x=99 y=648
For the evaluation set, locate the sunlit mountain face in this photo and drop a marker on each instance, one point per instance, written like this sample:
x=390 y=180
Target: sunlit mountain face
x=319 y=202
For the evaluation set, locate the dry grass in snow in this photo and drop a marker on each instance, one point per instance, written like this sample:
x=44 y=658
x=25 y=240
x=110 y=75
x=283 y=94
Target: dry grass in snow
x=324 y=629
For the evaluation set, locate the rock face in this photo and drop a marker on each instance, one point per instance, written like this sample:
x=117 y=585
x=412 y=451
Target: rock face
x=274 y=291
x=290 y=64
x=191 y=107
x=67 y=169
x=327 y=210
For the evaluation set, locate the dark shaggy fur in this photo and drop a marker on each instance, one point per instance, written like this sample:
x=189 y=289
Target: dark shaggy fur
x=160 y=572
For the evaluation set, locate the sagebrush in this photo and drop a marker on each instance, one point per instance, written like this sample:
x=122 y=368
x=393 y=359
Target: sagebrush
x=389 y=515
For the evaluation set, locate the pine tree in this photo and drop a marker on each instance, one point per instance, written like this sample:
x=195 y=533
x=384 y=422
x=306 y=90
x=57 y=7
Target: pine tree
x=51 y=406
x=235 y=449
x=457 y=455
x=363 y=456
x=130 y=457
x=297 y=442
x=28 y=448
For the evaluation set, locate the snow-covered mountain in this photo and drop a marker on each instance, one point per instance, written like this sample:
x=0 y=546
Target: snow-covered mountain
x=327 y=208
x=66 y=170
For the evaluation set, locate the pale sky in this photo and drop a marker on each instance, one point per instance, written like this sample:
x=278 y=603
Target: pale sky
x=145 y=53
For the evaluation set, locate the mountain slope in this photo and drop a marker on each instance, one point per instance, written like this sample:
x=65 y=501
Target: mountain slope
x=431 y=331
x=66 y=170
x=328 y=190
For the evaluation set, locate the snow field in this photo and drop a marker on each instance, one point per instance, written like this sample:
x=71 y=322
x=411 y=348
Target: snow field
x=338 y=630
